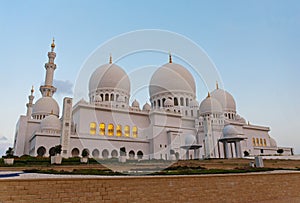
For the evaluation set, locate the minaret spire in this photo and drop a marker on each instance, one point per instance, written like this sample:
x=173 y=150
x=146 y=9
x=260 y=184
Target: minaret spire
x=110 y=59
x=48 y=89
x=30 y=103
x=208 y=95
x=217 y=85
x=170 y=57
x=53 y=45
x=32 y=90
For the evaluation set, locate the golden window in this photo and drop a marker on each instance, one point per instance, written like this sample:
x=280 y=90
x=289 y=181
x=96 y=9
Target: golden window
x=253 y=141
x=261 y=142
x=110 y=130
x=134 y=131
x=127 y=131
x=119 y=130
x=102 y=129
x=93 y=128
x=265 y=142
x=257 y=141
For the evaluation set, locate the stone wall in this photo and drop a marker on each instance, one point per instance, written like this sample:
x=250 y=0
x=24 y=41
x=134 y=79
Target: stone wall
x=264 y=187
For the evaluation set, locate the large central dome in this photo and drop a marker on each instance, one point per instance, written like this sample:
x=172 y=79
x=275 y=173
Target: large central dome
x=109 y=76
x=172 y=77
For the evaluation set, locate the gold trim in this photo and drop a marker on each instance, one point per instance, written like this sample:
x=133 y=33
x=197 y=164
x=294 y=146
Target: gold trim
x=110 y=58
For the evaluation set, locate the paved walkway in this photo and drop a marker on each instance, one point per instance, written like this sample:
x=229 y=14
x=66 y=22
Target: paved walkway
x=22 y=175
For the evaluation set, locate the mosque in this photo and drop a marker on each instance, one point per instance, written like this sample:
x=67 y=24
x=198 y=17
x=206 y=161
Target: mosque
x=172 y=126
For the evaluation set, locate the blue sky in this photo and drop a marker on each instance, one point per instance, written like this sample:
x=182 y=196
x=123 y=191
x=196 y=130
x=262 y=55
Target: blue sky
x=254 y=45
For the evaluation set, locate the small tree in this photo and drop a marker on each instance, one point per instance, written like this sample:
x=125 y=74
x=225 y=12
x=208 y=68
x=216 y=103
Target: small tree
x=57 y=149
x=246 y=153
x=122 y=151
x=9 y=158
x=85 y=153
x=9 y=153
x=280 y=151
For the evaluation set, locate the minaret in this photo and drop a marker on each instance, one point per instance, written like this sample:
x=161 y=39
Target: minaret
x=48 y=89
x=208 y=137
x=30 y=103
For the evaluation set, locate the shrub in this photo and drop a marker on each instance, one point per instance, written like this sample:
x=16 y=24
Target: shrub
x=9 y=153
x=57 y=149
x=122 y=151
x=85 y=153
x=246 y=153
x=279 y=151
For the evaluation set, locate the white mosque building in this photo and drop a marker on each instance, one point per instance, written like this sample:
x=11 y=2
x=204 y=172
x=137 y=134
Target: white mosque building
x=172 y=126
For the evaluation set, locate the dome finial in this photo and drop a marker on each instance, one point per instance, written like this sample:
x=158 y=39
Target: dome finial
x=32 y=90
x=170 y=57
x=110 y=59
x=53 y=44
x=208 y=95
x=217 y=85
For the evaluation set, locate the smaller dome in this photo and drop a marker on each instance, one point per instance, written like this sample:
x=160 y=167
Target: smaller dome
x=225 y=98
x=45 y=106
x=51 y=122
x=194 y=104
x=231 y=131
x=190 y=140
x=121 y=99
x=146 y=107
x=210 y=105
x=82 y=101
x=273 y=142
x=98 y=98
x=168 y=103
x=240 y=119
x=135 y=104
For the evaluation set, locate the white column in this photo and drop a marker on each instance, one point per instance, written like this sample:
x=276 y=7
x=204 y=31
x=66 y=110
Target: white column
x=195 y=154
x=238 y=152
x=187 y=154
x=231 y=150
x=226 y=150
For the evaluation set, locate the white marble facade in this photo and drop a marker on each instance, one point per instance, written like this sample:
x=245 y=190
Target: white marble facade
x=172 y=126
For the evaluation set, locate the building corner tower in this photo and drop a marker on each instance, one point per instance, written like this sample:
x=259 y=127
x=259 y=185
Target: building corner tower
x=29 y=105
x=66 y=127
